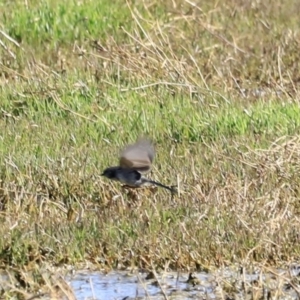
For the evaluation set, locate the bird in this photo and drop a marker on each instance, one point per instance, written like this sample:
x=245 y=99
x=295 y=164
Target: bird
x=135 y=161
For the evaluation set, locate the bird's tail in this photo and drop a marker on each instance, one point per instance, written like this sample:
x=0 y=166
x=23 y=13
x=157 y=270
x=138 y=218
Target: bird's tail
x=172 y=189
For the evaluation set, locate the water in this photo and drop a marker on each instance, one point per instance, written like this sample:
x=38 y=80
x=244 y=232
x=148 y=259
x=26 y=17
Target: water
x=121 y=285
x=170 y=285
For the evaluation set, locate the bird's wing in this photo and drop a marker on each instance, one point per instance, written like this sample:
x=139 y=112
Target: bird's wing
x=138 y=156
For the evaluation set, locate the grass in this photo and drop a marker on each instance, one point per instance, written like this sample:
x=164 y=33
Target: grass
x=216 y=88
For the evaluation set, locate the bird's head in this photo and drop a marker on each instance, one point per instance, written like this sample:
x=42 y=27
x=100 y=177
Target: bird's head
x=110 y=173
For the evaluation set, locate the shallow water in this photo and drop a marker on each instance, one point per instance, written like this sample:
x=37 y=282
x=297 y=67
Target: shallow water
x=123 y=285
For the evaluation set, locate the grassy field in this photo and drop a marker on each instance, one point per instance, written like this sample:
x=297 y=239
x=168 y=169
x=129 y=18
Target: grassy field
x=214 y=84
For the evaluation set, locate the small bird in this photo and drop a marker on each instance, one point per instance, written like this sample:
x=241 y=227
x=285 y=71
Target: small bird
x=135 y=160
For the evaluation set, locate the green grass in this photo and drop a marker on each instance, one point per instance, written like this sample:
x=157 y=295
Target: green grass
x=52 y=23
x=215 y=87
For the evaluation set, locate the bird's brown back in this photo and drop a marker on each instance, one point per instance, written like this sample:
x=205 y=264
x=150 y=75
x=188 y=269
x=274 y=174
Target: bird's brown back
x=138 y=156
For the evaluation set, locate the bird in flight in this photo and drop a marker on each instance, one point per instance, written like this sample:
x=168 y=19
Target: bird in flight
x=135 y=160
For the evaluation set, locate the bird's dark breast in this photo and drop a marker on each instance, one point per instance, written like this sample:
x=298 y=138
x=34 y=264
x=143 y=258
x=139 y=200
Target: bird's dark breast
x=131 y=173
x=130 y=177
x=127 y=176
